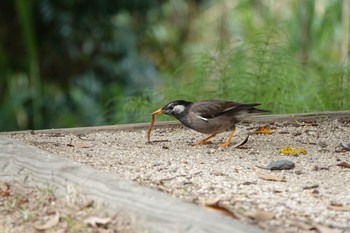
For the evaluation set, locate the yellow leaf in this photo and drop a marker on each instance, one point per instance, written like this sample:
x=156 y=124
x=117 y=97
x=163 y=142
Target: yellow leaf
x=263 y=130
x=290 y=151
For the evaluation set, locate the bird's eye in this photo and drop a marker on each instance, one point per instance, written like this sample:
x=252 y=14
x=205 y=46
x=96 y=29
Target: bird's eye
x=171 y=107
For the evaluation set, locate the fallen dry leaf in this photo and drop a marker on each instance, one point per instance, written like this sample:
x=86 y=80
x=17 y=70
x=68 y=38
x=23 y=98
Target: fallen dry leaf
x=97 y=221
x=79 y=145
x=263 y=130
x=344 y=164
x=241 y=143
x=306 y=123
x=303 y=225
x=5 y=193
x=4 y=186
x=323 y=229
x=4 y=189
x=259 y=215
x=214 y=205
x=269 y=177
x=290 y=151
x=49 y=223
x=339 y=207
x=314 y=226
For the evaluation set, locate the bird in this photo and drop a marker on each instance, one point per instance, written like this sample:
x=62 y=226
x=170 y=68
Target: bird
x=210 y=116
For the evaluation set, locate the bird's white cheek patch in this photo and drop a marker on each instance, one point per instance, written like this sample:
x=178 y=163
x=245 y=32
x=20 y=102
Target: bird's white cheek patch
x=179 y=109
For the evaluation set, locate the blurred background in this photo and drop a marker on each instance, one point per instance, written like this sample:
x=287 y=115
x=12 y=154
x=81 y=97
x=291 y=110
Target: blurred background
x=70 y=63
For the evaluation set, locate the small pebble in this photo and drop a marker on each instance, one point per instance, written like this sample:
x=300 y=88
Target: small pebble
x=211 y=151
x=345 y=146
x=322 y=144
x=281 y=165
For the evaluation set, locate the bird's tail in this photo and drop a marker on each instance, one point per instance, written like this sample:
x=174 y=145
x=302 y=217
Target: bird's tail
x=251 y=108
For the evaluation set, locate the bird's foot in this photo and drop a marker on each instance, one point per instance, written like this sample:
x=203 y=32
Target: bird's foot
x=204 y=141
x=224 y=145
x=201 y=143
x=228 y=141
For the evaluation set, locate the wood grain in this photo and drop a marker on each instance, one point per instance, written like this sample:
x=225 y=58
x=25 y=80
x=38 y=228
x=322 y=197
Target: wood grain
x=153 y=210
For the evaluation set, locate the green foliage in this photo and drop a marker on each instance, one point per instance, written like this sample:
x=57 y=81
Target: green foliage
x=262 y=71
x=286 y=67
x=23 y=8
x=74 y=57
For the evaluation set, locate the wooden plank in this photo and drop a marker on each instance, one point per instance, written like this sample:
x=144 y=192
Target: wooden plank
x=302 y=117
x=93 y=129
x=153 y=210
x=290 y=118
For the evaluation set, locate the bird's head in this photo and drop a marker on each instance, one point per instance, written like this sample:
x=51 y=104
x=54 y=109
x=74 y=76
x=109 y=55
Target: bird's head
x=175 y=108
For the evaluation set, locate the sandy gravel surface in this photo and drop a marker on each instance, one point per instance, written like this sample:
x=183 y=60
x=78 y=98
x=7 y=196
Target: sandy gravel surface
x=313 y=197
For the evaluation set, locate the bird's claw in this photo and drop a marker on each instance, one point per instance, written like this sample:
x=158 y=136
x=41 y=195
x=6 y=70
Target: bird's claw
x=224 y=145
x=201 y=143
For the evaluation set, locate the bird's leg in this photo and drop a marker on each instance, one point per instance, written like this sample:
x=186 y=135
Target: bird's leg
x=204 y=141
x=228 y=141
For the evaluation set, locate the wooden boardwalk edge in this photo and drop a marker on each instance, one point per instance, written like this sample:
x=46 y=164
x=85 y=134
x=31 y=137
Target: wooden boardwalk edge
x=152 y=210
x=290 y=118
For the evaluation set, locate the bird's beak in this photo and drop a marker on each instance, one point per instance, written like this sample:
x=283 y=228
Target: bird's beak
x=159 y=111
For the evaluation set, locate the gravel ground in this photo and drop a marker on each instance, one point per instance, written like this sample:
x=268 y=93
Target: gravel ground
x=312 y=197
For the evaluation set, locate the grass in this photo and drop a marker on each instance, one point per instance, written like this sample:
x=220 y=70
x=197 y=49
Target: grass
x=263 y=70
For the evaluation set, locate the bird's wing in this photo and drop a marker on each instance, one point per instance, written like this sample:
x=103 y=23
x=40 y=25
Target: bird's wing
x=213 y=108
